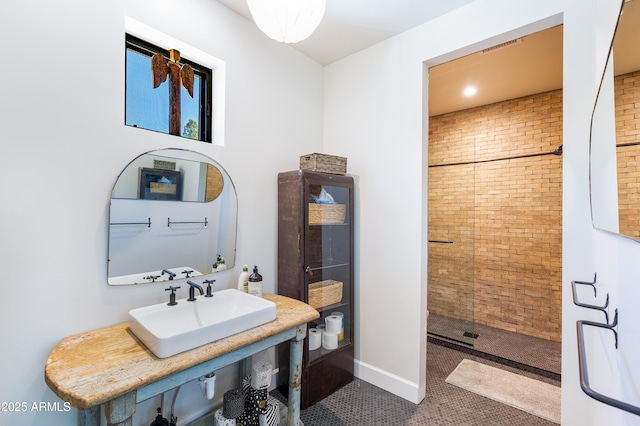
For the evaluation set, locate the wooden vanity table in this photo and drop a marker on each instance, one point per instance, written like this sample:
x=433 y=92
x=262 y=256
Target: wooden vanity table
x=111 y=367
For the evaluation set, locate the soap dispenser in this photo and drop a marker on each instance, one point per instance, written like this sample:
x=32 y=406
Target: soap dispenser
x=214 y=267
x=243 y=279
x=255 y=283
x=221 y=265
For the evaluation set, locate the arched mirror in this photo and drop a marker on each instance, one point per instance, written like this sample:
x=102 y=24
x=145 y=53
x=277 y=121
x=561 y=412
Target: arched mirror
x=615 y=160
x=173 y=216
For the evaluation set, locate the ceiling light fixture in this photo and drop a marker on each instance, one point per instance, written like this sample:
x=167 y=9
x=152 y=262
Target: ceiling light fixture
x=288 y=21
x=470 y=91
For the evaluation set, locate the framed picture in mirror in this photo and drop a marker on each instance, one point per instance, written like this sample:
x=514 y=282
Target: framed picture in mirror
x=160 y=184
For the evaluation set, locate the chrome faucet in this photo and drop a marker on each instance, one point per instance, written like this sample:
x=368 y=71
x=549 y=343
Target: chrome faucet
x=168 y=272
x=192 y=287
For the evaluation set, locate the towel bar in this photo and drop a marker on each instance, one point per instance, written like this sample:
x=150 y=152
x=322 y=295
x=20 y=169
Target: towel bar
x=582 y=364
x=585 y=305
x=169 y=223
x=148 y=223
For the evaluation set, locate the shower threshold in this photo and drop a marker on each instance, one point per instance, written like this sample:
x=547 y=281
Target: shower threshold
x=527 y=353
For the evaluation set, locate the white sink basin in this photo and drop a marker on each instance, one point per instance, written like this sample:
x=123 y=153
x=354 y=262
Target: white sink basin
x=168 y=330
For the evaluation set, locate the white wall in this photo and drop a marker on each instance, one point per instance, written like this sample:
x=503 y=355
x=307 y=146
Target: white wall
x=64 y=142
x=615 y=259
x=374 y=114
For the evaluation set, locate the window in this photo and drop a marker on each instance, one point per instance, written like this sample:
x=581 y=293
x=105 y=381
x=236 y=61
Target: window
x=149 y=108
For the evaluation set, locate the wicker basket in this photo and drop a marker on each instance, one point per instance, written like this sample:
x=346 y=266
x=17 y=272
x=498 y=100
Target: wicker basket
x=324 y=163
x=326 y=214
x=162 y=188
x=164 y=165
x=325 y=293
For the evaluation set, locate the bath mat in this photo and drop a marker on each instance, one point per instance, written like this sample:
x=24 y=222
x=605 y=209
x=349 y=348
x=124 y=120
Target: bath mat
x=530 y=395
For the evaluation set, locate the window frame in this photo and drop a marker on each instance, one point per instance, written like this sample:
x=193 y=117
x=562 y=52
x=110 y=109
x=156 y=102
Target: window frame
x=206 y=74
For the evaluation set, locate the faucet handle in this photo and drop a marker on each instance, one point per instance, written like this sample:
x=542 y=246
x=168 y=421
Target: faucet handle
x=208 y=283
x=153 y=278
x=172 y=296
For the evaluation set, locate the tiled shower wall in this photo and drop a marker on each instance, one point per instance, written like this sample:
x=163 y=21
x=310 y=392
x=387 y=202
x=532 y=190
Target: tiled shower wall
x=627 y=97
x=496 y=223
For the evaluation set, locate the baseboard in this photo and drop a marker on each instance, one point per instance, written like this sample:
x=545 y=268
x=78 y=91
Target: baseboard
x=389 y=382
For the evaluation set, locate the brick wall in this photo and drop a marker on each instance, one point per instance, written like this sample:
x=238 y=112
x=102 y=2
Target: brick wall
x=504 y=216
x=627 y=98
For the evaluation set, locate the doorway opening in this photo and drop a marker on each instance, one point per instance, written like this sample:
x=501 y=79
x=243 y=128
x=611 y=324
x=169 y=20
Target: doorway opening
x=495 y=200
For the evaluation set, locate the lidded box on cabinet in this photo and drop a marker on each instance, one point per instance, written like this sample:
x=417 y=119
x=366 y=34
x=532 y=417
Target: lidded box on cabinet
x=324 y=163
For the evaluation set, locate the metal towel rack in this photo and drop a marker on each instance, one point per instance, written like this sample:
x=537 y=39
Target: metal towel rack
x=169 y=223
x=148 y=223
x=585 y=305
x=441 y=241
x=582 y=359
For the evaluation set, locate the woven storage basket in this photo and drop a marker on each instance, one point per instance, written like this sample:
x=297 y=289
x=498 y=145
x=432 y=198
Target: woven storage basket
x=162 y=188
x=324 y=163
x=164 y=165
x=325 y=293
x=323 y=214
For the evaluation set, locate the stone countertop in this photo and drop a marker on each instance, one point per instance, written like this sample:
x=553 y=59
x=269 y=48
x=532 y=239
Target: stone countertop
x=92 y=368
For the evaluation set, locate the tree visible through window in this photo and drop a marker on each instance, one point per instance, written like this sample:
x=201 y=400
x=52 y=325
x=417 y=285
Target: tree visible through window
x=150 y=108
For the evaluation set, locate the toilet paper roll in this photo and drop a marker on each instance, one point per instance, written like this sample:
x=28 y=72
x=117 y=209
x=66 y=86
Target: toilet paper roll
x=246 y=384
x=271 y=415
x=329 y=341
x=315 y=339
x=321 y=328
x=261 y=375
x=233 y=403
x=341 y=315
x=334 y=324
x=220 y=420
x=255 y=403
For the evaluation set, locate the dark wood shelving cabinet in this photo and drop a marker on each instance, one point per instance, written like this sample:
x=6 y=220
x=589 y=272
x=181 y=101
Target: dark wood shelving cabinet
x=315 y=265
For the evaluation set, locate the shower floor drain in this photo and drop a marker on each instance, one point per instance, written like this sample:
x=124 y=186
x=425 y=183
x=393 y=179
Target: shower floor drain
x=470 y=334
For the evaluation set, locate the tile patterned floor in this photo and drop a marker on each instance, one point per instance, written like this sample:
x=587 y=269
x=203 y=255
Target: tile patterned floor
x=362 y=404
x=530 y=351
